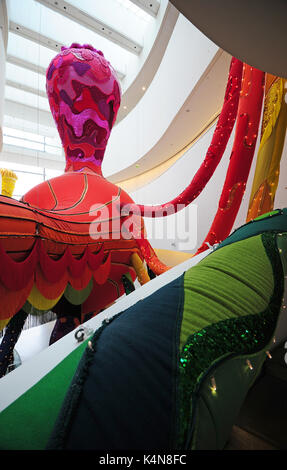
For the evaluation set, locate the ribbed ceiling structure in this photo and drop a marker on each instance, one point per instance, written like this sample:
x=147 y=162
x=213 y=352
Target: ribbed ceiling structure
x=36 y=31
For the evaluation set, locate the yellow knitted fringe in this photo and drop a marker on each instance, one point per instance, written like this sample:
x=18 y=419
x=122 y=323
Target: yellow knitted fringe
x=8 y=182
x=140 y=269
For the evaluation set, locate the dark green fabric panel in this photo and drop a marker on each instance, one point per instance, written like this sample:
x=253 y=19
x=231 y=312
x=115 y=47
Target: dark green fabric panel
x=217 y=411
x=27 y=423
x=205 y=431
x=247 y=334
x=123 y=394
x=273 y=221
x=282 y=246
x=229 y=283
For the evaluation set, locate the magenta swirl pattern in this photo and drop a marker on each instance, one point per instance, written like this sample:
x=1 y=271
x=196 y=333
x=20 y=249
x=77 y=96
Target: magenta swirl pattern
x=84 y=95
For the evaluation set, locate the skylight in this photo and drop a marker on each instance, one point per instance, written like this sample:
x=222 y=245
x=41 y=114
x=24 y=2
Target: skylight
x=37 y=29
x=139 y=12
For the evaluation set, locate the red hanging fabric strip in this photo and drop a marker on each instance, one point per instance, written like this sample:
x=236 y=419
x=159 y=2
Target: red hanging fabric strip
x=102 y=273
x=79 y=283
x=249 y=112
x=50 y=290
x=95 y=259
x=15 y=275
x=53 y=270
x=214 y=153
x=150 y=257
x=11 y=301
x=76 y=266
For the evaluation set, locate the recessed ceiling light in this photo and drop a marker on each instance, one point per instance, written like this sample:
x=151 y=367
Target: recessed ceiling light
x=125 y=107
x=143 y=88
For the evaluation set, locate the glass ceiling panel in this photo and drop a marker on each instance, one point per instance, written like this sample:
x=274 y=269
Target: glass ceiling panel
x=29 y=50
x=23 y=134
x=120 y=15
x=25 y=77
x=20 y=96
x=139 y=12
x=54 y=25
x=21 y=123
x=20 y=167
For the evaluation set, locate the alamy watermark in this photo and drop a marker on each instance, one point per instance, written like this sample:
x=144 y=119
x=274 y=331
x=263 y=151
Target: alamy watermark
x=113 y=221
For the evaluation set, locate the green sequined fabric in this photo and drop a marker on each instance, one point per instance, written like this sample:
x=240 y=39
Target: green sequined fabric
x=233 y=282
x=227 y=338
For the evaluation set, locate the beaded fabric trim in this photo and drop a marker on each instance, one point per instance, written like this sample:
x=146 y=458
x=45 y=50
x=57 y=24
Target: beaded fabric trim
x=228 y=338
x=64 y=419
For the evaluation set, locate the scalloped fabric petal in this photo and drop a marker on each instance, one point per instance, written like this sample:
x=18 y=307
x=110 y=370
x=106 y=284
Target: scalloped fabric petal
x=47 y=289
x=77 y=297
x=11 y=303
x=14 y=274
x=80 y=283
x=40 y=302
x=102 y=273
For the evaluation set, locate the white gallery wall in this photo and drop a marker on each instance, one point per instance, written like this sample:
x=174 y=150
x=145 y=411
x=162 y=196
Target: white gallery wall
x=201 y=212
x=186 y=58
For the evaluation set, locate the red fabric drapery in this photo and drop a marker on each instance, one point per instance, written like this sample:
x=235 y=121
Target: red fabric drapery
x=14 y=275
x=214 y=153
x=249 y=111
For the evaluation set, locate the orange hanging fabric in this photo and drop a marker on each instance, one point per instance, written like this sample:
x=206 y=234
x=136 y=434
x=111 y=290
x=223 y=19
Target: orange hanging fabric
x=273 y=133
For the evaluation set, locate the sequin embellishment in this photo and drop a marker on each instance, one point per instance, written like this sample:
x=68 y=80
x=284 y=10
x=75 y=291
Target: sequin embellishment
x=228 y=338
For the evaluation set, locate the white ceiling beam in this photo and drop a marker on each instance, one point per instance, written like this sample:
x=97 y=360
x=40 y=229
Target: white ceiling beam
x=29 y=113
x=40 y=159
x=149 y=6
x=27 y=88
x=11 y=59
x=45 y=41
x=34 y=36
x=92 y=23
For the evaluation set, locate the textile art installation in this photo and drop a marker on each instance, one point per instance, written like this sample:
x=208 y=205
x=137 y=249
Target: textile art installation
x=7 y=182
x=65 y=247
x=242 y=104
x=273 y=131
x=179 y=362
x=248 y=118
x=215 y=151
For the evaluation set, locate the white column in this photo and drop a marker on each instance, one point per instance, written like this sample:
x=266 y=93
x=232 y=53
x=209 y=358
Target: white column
x=3 y=49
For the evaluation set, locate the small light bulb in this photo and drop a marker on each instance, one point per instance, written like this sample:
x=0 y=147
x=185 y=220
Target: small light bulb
x=249 y=364
x=268 y=354
x=213 y=385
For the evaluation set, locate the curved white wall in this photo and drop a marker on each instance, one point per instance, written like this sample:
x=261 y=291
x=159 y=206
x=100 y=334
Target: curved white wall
x=199 y=215
x=187 y=56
